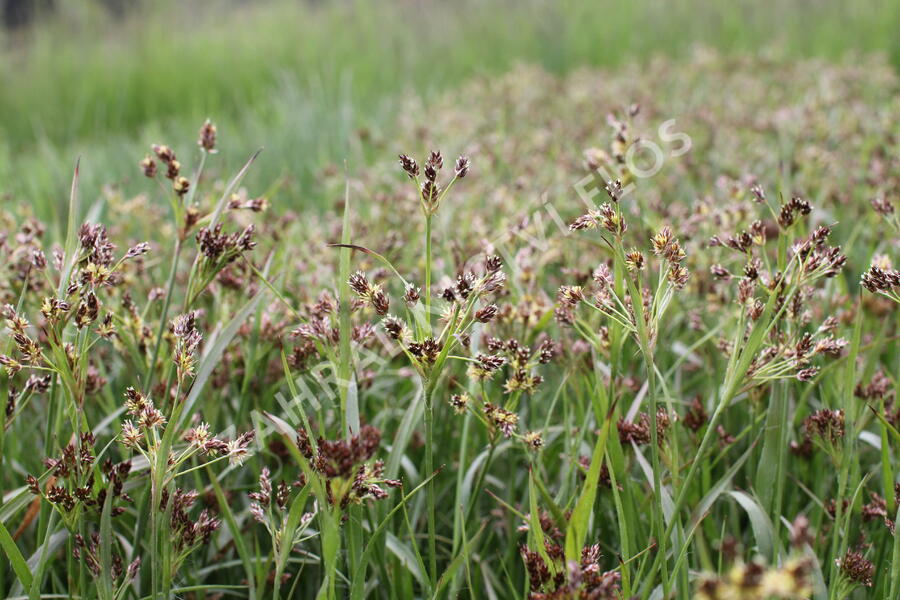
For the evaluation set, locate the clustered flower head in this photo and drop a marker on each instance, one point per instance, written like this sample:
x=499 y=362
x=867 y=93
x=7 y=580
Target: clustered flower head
x=790 y=349
x=756 y=581
x=430 y=191
x=180 y=184
x=827 y=425
x=665 y=245
x=877 y=510
x=856 y=568
x=696 y=416
x=608 y=216
x=484 y=366
x=221 y=248
x=369 y=294
x=425 y=352
x=207 y=138
x=793 y=358
x=186 y=533
x=640 y=433
x=882 y=279
x=318 y=327
x=77 y=485
x=270 y=506
x=501 y=418
x=88 y=551
x=144 y=431
x=521 y=361
x=817 y=258
x=240 y=201
x=575 y=579
x=620 y=308
x=789 y=211
x=349 y=478
x=146 y=415
x=187 y=339
x=467 y=303
x=469 y=286
x=265 y=497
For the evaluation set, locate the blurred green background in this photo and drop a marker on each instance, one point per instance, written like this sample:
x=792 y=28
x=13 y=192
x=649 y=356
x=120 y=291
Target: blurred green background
x=308 y=80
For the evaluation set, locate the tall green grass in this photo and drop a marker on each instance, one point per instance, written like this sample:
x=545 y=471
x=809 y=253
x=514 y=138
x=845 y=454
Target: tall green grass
x=301 y=78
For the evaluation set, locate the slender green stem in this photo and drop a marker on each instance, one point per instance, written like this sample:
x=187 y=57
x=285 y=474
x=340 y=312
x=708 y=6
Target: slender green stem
x=662 y=540
x=430 y=385
x=344 y=366
x=276 y=584
x=479 y=483
x=641 y=327
x=429 y=469
x=428 y=272
x=163 y=317
x=154 y=547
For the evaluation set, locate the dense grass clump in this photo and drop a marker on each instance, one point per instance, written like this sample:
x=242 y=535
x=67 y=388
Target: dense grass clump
x=632 y=338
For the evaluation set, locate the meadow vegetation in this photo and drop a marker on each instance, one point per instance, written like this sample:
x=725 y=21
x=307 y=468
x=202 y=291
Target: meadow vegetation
x=303 y=78
x=553 y=331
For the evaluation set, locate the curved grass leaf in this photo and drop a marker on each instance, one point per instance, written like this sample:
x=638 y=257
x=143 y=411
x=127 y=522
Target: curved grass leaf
x=579 y=522
x=763 y=531
x=20 y=567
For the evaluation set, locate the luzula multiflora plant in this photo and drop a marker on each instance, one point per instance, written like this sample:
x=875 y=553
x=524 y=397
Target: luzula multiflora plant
x=632 y=310
x=435 y=327
x=772 y=339
x=157 y=439
x=57 y=353
x=88 y=310
x=340 y=475
x=427 y=348
x=882 y=278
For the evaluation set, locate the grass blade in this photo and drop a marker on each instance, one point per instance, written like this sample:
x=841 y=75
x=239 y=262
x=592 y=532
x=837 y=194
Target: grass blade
x=15 y=558
x=763 y=530
x=577 y=531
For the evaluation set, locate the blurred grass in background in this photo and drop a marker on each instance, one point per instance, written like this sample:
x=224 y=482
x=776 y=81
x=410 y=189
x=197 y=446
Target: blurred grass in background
x=300 y=78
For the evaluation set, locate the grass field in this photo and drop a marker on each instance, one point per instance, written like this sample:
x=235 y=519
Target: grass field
x=631 y=334
x=301 y=80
